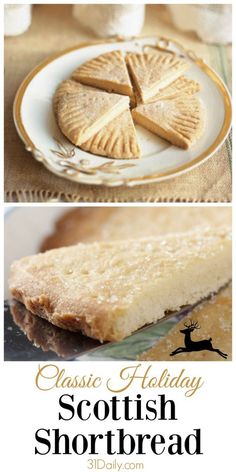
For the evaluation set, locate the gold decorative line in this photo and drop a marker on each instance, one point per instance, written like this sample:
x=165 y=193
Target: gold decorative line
x=144 y=179
x=190 y=54
x=83 y=166
x=64 y=152
x=68 y=168
x=162 y=45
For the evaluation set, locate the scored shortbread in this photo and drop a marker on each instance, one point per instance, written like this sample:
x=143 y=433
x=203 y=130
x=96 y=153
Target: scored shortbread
x=179 y=88
x=107 y=71
x=153 y=72
x=180 y=121
x=66 y=87
x=117 y=139
x=93 y=119
x=109 y=290
x=82 y=114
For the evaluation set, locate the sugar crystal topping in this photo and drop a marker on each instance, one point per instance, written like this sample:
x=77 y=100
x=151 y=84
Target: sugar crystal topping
x=116 y=272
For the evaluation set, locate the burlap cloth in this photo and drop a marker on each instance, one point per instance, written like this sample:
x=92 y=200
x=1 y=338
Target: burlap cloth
x=53 y=28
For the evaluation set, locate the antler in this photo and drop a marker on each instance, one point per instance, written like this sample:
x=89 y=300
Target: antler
x=193 y=324
x=196 y=325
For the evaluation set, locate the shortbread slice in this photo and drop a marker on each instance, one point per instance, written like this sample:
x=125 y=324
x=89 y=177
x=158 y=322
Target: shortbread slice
x=82 y=114
x=214 y=320
x=89 y=224
x=117 y=139
x=109 y=290
x=180 y=121
x=180 y=87
x=107 y=71
x=151 y=73
x=66 y=87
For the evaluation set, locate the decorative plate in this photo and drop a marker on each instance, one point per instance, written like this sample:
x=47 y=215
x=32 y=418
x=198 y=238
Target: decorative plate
x=36 y=125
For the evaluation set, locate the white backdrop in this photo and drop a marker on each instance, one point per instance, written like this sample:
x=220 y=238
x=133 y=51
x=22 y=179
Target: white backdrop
x=210 y=408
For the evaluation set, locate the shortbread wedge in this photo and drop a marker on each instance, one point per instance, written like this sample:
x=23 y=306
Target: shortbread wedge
x=66 y=87
x=109 y=290
x=151 y=73
x=107 y=71
x=179 y=88
x=181 y=121
x=89 y=224
x=82 y=114
x=214 y=318
x=117 y=139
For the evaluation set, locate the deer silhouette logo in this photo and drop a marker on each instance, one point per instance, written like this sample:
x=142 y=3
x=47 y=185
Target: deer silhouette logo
x=190 y=345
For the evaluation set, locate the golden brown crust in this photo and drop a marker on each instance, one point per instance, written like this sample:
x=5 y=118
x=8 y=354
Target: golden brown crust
x=48 y=336
x=95 y=324
x=108 y=290
x=66 y=87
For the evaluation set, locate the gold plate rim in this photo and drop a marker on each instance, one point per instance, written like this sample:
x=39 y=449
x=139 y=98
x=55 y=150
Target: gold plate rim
x=132 y=181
